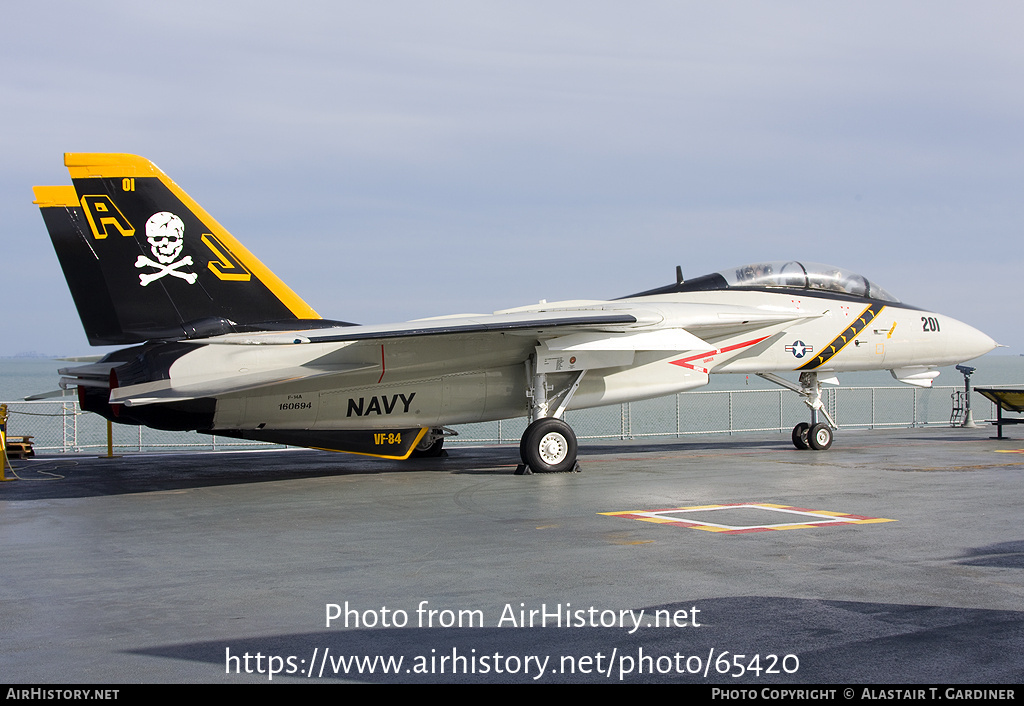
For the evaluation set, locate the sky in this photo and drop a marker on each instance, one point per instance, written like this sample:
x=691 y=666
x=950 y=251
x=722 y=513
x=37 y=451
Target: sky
x=398 y=160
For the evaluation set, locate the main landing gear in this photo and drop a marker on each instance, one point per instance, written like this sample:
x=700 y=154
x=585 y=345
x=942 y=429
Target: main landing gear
x=815 y=435
x=549 y=443
x=432 y=443
x=548 y=446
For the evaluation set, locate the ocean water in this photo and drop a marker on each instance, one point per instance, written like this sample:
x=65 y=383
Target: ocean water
x=21 y=377
x=730 y=404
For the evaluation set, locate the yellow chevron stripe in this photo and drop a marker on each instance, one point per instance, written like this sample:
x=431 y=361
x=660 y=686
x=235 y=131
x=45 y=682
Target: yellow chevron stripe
x=866 y=317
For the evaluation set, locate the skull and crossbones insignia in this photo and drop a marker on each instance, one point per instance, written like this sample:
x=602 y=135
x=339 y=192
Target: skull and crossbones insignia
x=166 y=233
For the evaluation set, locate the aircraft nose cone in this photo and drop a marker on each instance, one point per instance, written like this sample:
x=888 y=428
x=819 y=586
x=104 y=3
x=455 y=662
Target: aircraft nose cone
x=970 y=343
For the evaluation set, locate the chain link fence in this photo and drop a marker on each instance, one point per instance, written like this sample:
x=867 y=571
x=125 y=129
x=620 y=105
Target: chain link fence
x=60 y=427
x=742 y=411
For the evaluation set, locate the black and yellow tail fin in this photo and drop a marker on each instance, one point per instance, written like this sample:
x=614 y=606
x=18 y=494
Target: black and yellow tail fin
x=144 y=261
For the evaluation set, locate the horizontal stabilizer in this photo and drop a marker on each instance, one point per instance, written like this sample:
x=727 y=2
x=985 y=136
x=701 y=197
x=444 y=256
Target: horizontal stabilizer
x=98 y=371
x=50 y=395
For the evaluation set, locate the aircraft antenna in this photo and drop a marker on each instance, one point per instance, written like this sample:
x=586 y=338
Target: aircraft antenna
x=679 y=274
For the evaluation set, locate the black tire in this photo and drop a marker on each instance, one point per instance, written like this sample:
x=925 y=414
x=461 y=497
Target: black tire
x=549 y=446
x=820 y=437
x=427 y=448
x=800 y=436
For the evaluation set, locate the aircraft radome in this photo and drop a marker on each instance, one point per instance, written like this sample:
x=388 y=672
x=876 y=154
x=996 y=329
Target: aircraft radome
x=220 y=345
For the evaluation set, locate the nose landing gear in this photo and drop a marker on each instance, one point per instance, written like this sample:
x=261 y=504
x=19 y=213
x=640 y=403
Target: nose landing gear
x=814 y=435
x=800 y=436
x=819 y=437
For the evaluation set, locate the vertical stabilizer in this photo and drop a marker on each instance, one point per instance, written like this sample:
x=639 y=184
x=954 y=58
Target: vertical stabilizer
x=144 y=261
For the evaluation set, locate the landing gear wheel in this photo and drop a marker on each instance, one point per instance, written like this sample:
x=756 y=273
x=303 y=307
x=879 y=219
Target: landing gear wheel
x=427 y=448
x=800 y=436
x=820 y=437
x=549 y=446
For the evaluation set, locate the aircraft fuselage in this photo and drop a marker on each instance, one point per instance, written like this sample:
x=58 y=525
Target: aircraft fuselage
x=436 y=382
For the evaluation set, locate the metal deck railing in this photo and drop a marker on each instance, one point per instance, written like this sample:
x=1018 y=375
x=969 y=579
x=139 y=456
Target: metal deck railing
x=61 y=427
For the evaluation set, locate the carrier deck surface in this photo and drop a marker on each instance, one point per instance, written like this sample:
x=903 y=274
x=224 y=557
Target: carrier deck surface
x=898 y=556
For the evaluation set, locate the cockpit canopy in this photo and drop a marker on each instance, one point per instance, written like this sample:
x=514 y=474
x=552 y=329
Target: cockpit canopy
x=781 y=274
x=804 y=275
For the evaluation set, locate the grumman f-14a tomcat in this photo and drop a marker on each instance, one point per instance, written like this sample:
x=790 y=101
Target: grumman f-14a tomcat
x=220 y=345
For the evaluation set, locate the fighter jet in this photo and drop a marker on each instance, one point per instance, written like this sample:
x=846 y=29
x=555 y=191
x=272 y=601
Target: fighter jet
x=218 y=344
